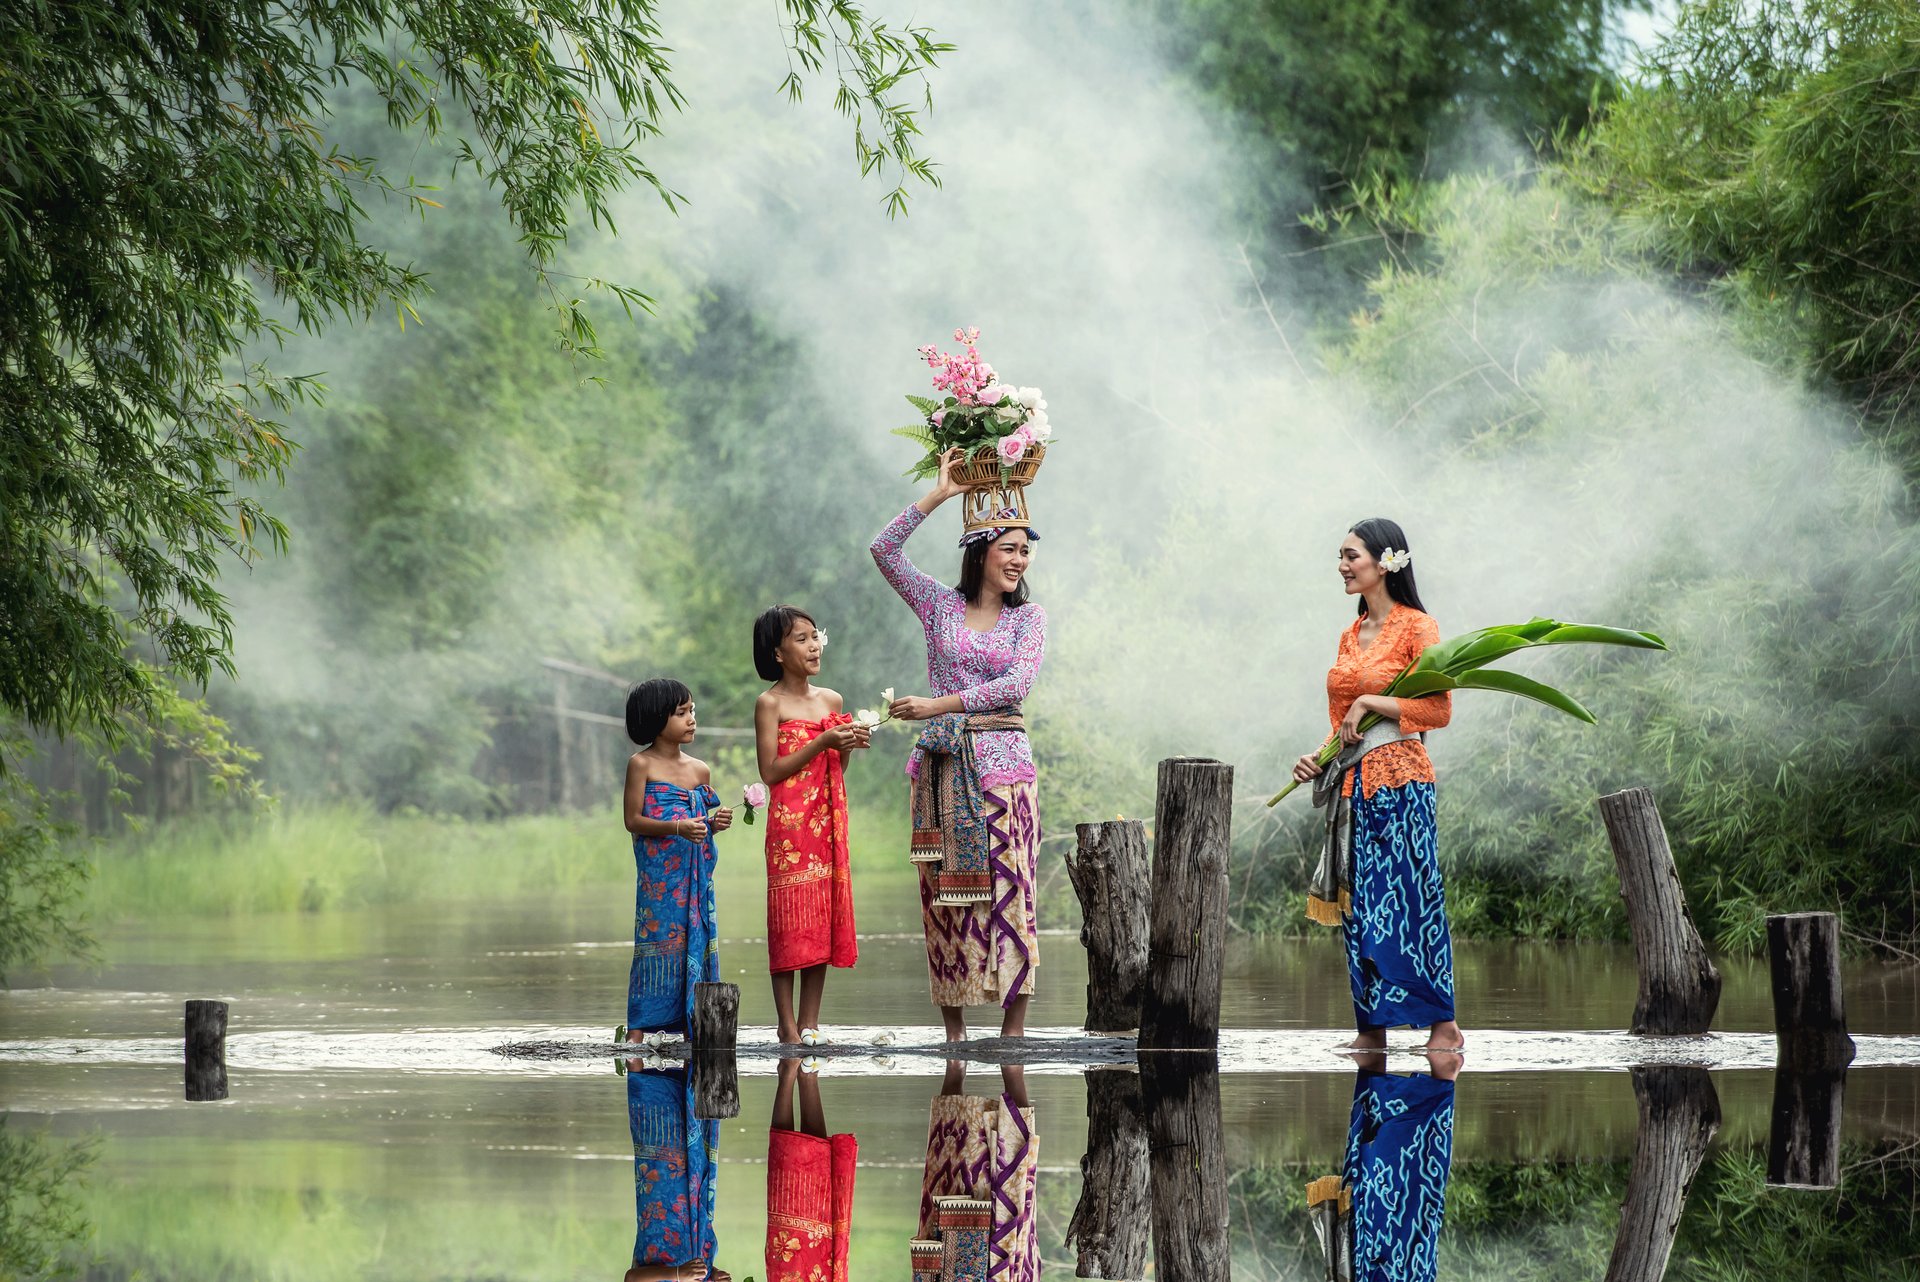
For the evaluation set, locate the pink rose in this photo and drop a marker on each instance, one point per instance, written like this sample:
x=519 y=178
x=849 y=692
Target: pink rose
x=990 y=394
x=939 y=416
x=754 y=795
x=1012 y=446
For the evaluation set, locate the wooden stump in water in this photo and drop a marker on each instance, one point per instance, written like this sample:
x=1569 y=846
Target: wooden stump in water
x=716 y=1084
x=1111 y=1221
x=1679 y=986
x=1189 y=1168
x=206 y=1050
x=1803 y=1149
x=1187 y=935
x=1111 y=879
x=1809 y=1013
x=716 y=1013
x=1679 y=1112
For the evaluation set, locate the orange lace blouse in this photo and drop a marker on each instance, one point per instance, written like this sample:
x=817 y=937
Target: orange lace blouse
x=1355 y=672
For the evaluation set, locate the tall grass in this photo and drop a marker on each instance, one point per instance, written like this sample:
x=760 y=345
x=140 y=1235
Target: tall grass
x=336 y=856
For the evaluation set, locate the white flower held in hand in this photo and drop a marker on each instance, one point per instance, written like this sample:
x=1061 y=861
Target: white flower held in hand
x=866 y=717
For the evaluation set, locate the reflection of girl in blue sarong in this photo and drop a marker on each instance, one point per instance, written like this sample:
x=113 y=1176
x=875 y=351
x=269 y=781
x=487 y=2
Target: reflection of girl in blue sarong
x=672 y=812
x=675 y=1159
x=1379 y=1220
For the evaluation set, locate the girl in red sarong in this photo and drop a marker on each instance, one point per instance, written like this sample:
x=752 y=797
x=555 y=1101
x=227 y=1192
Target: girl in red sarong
x=809 y=1186
x=804 y=741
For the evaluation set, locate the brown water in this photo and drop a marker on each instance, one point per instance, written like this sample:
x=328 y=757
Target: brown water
x=370 y=1134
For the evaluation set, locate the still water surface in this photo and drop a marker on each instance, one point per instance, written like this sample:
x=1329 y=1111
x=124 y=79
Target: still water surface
x=482 y=1170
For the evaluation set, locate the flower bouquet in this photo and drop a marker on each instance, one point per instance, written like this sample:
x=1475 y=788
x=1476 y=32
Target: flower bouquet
x=1460 y=664
x=1003 y=429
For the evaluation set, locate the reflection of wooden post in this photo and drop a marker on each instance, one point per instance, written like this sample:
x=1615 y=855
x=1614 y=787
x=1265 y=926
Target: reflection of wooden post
x=1803 y=1150
x=562 y=771
x=1110 y=1222
x=1809 y=1015
x=1189 y=1168
x=1111 y=879
x=1679 y=987
x=1187 y=938
x=716 y=1082
x=1679 y=1112
x=206 y=1050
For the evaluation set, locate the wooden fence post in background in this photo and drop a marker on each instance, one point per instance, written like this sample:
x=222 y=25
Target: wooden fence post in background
x=1110 y=1222
x=1679 y=1112
x=1111 y=880
x=206 y=1050
x=1679 y=986
x=1809 y=1013
x=1187 y=937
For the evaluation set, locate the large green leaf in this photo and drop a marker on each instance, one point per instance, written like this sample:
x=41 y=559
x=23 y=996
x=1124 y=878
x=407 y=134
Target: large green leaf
x=1600 y=634
x=1526 y=688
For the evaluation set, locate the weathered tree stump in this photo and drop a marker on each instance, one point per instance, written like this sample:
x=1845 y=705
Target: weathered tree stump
x=1803 y=1149
x=1679 y=1112
x=1679 y=986
x=1111 y=878
x=1188 y=1163
x=1110 y=1222
x=716 y=1084
x=1809 y=1013
x=1187 y=934
x=716 y=1014
x=206 y=1050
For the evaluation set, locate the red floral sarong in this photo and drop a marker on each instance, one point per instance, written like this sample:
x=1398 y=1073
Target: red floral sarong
x=809 y=1206
x=809 y=886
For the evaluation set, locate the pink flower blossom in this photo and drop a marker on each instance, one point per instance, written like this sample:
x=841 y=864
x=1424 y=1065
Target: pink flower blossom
x=1012 y=446
x=754 y=794
x=992 y=394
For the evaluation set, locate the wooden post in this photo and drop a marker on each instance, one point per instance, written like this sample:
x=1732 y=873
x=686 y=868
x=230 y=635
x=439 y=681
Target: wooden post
x=1111 y=878
x=1111 y=1220
x=1187 y=935
x=206 y=1050
x=1679 y=986
x=716 y=1011
x=1679 y=1112
x=1803 y=1150
x=1189 y=1168
x=1809 y=1013
x=562 y=768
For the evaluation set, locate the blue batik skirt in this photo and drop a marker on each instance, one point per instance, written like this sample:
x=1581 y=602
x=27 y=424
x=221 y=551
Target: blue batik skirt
x=1399 y=955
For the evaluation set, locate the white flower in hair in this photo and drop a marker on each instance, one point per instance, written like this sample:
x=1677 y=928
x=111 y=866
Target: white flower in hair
x=823 y=640
x=1393 y=562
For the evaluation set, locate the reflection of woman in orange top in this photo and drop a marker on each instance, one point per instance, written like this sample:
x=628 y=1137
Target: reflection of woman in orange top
x=803 y=741
x=1399 y=953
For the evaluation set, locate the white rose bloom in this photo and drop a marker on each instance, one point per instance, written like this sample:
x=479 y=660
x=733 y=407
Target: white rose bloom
x=1029 y=397
x=1039 y=428
x=1008 y=413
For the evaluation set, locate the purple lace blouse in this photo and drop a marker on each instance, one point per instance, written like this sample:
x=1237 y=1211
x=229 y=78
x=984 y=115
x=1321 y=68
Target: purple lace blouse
x=988 y=670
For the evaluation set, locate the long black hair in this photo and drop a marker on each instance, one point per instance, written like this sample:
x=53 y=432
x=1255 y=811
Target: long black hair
x=649 y=704
x=1379 y=534
x=973 y=569
x=769 y=630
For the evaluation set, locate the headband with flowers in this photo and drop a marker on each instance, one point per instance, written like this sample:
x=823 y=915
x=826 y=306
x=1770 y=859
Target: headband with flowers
x=988 y=533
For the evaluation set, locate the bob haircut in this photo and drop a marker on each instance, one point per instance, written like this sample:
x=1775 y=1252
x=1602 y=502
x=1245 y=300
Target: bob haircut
x=973 y=569
x=1379 y=534
x=649 y=704
x=769 y=630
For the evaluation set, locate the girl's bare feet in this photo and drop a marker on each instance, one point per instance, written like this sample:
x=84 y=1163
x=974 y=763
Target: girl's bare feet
x=1014 y=1022
x=955 y=1020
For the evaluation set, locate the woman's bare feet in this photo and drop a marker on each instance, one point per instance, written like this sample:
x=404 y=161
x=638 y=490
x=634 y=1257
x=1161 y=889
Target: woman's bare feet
x=1372 y=1040
x=1446 y=1036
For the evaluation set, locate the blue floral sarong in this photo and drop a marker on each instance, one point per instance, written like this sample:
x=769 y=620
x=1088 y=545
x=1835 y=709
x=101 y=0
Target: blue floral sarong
x=1399 y=953
x=1399 y=1148
x=676 y=943
x=675 y=1159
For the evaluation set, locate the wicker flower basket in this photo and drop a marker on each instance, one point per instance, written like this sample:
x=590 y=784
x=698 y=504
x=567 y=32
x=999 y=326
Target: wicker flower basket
x=984 y=469
x=993 y=494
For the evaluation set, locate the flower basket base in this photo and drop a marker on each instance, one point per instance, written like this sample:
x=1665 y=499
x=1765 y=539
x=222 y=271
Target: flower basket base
x=998 y=490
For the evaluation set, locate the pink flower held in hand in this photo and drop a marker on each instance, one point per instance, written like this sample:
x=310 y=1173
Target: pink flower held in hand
x=754 y=794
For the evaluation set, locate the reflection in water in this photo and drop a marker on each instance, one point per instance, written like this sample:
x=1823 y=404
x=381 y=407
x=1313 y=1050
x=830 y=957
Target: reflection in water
x=1380 y=1217
x=809 y=1185
x=676 y=1157
x=1679 y=1112
x=1803 y=1145
x=41 y=1217
x=1110 y=1221
x=977 y=1191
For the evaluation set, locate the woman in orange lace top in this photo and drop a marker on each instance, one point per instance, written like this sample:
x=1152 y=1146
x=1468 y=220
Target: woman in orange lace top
x=1399 y=953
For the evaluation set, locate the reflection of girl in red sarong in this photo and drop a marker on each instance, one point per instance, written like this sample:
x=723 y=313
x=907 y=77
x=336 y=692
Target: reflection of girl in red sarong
x=803 y=739
x=809 y=1186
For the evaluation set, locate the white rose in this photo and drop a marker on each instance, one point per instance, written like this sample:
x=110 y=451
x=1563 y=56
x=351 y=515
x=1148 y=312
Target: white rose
x=1029 y=397
x=1009 y=413
x=1039 y=428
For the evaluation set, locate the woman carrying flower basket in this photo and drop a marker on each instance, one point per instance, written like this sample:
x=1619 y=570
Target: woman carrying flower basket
x=1380 y=788
x=976 y=824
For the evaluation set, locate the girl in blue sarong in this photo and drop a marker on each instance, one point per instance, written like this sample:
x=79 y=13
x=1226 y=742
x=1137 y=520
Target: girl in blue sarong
x=675 y=1160
x=1380 y=876
x=673 y=813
